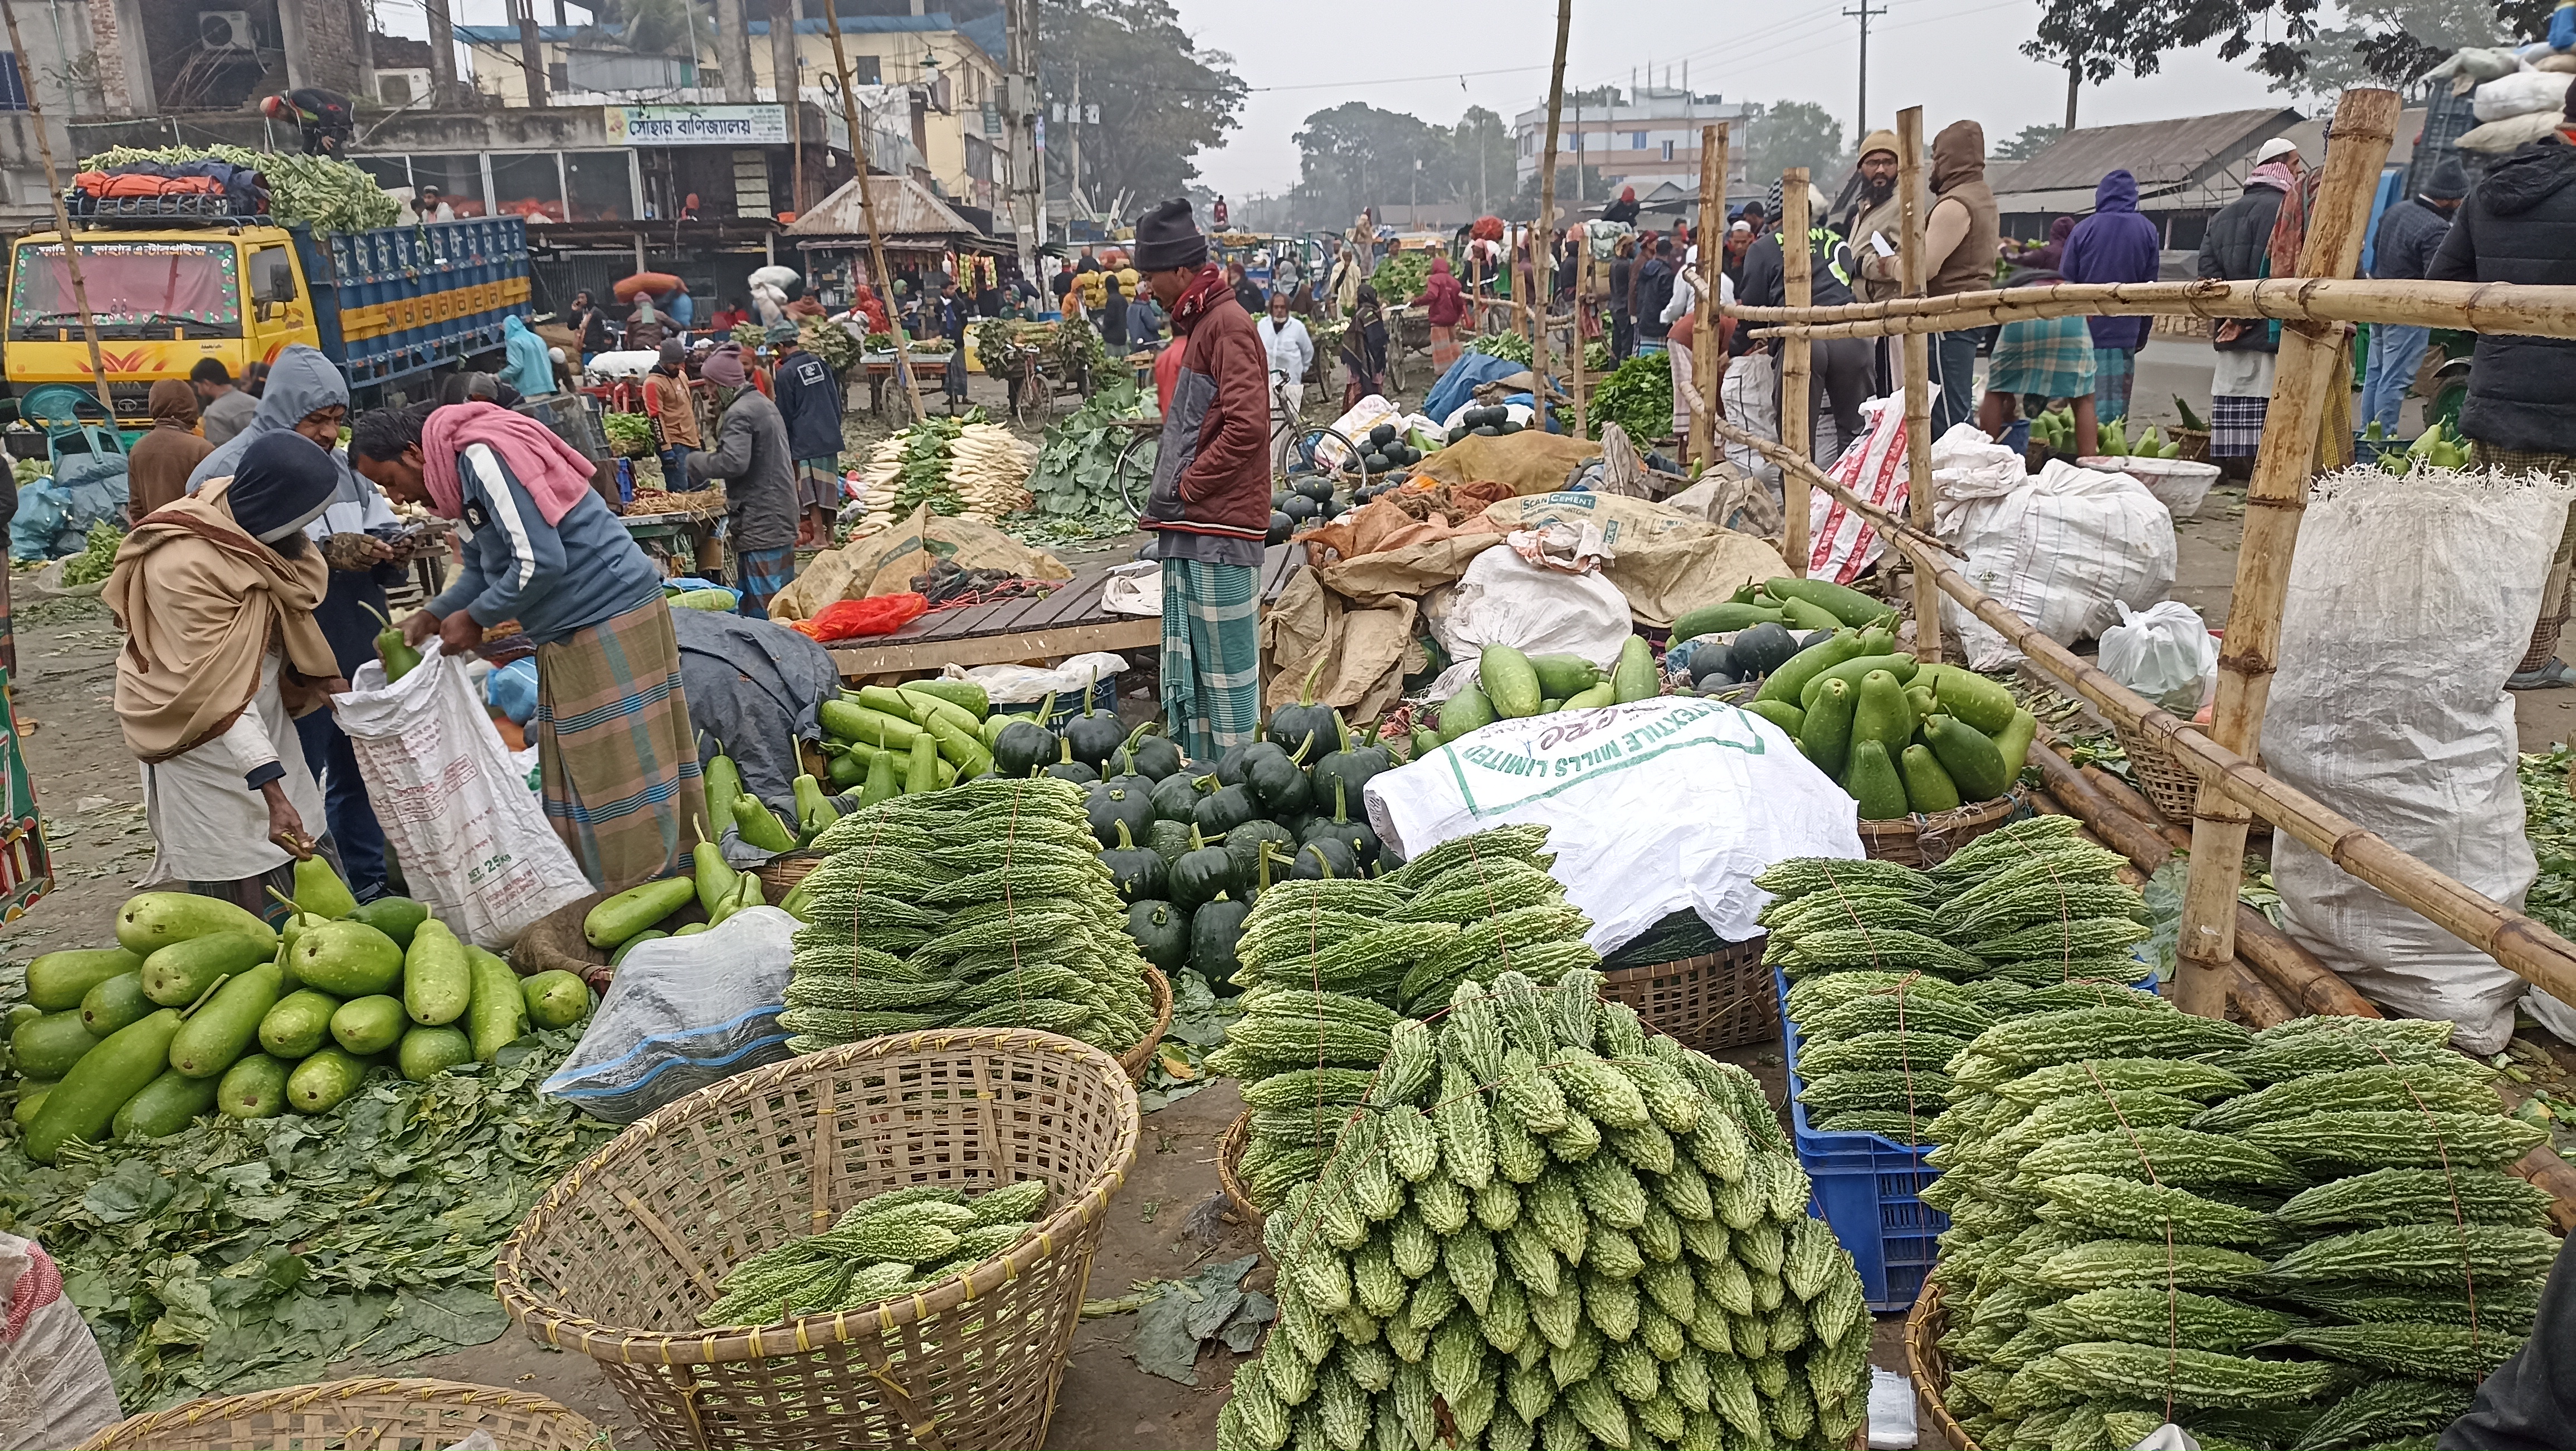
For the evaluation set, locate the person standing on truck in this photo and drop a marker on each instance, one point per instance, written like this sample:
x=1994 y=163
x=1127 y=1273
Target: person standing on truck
x=591 y=323
x=216 y=592
x=322 y=117
x=616 y=759
x=809 y=401
x=753 y=456
x=157 y=467
x=224 y=409
x=307 y=396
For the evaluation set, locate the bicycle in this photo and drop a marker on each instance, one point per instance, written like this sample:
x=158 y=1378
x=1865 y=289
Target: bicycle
x=1032 y=393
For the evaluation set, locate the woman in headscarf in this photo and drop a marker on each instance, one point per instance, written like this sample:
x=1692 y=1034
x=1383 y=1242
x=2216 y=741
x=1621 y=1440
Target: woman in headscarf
x=1364 y=348
x=307 y=399
x=216 y=592
x=618 y=762
x=1443 y=303
x=157 y=467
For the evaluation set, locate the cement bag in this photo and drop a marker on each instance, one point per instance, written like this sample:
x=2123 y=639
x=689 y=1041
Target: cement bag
x=1504 y=599
x=2520 y=94
x=54 y=1386
x=1654 y=807
x=681 y=1013
x=1745 y=396
x=2061 y=551
x=1842 y=543
x=474 y=843
x=2408 y=602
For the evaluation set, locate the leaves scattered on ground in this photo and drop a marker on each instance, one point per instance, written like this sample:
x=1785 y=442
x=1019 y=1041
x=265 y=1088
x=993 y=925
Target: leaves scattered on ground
x=1175 y=1319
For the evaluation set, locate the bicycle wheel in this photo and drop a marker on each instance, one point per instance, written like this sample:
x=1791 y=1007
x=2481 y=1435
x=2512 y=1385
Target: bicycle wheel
x=1033 y=402
x=1302 y=454
x=1134 y=472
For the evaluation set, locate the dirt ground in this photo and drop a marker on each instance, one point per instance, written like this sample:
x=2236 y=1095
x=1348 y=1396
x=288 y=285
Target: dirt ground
x=1165 y=1222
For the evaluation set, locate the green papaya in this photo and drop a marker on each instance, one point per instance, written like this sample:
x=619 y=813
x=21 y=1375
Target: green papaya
x=1873 y=782
x=1928 y=788
x=1881 y=714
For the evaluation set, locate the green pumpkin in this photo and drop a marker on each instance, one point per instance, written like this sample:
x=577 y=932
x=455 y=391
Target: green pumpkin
x=1162 y=933
x=1202 y=875
x=1136 y=871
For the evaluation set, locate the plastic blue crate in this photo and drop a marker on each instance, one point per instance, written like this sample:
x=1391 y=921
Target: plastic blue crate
x=1868 y=1188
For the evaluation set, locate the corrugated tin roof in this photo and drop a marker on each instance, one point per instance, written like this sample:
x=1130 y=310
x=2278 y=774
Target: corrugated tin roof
x=2163 y=155
x=905 y=208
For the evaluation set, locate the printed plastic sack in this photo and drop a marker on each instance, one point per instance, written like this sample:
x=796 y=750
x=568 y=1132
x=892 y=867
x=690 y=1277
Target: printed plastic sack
x=475 y=846
x=54 y=1386
x=2060 y=551
x=2512 y=131
x=1842 y=544
x=1744 y=396
x=1504 y=599
x=682 y=1013
x=1652 y=807
x=2165 y=653
x=2520 y=94
x=1029 y=685
x=1364 y=415
x=2409 y=600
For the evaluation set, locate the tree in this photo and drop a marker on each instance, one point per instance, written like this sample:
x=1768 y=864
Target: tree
x=1162 y=99
x=2032 y=141
x=2097 y=39
x=1480 y=149
x=1355 y=156
x=1794 y=133
x=2392 y=41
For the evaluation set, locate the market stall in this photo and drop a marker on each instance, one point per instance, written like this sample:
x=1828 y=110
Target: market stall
x=923 y=238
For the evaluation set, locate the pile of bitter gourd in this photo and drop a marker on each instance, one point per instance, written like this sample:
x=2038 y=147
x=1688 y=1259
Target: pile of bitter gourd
x=983 y=905
x=1537 y=1225
x=900 y=1242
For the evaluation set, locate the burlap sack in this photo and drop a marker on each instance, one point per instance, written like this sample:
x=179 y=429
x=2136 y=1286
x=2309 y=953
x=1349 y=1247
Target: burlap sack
x=1665 y=561
x=887 y=561
x=1531 y=462
x=1367 y=652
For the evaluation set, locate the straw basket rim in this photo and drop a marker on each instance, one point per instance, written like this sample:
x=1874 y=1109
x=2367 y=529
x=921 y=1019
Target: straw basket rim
x=563 y=1329
x=1136 y=1061
x=1907 y=833
x=1928 y=1367
x=1734 y=970
x=155 y=1428
x=1229 y=1152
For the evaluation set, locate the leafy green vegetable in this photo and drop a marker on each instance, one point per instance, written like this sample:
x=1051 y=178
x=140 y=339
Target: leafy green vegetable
x=1638 y=396
x=1399 y=278
x=1075 y=485
x=246 y=1253
x=631 y=430
x=2549 y=819
x=331 y=195
x=92 y=563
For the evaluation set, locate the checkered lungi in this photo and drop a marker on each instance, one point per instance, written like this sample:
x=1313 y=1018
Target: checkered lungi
x=760 y=574
x=615 y=755
x=818 y=484
x=1211 y=655
x=2236 y=425
x=2115 y=373
x=2049 y=356
x=2556 y=603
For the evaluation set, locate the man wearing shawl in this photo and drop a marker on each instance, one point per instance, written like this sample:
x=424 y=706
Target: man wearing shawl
x=216 y=592
x=306 y=396
x=2244 y=241
x=618 y=762
x=754 y=456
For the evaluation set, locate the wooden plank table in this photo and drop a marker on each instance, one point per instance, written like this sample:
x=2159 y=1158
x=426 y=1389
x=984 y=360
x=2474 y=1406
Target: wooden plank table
x=1069 y=621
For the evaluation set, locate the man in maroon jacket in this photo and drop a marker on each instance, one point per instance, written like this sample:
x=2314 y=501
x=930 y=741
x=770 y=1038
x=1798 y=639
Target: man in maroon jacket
x=1210 y=509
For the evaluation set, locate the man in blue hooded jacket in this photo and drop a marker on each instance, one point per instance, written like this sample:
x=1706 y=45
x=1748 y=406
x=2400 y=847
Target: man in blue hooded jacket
x=2114 y=244
x=2409 y=234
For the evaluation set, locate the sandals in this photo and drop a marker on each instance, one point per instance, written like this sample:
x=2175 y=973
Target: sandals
x=2548 y=677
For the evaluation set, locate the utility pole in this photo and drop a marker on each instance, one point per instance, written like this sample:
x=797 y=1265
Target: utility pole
x=532 y=56
x=1866 y=12
x=63 y=225
x=1073 y=119
x=868 y=208
x=2074 y=82
x=1543 y=235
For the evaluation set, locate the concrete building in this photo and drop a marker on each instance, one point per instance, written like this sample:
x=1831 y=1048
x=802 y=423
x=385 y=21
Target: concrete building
x=1644 y=138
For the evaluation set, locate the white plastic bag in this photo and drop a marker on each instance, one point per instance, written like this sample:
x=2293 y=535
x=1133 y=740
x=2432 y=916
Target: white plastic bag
x=54 y=1386
x=2409 y=601
x=2163 y=652
x=474 y=843
x=2059 y=551
x=1744 y=393
x=1843 y=544
x=1504 y=599
x=681 y=1013
x=1069 y=682
x=2520 y=94
x=1364 y=415
x=1651 y=808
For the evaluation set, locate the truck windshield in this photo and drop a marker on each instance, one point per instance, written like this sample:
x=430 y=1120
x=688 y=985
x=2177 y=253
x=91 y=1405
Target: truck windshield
x=136 y=289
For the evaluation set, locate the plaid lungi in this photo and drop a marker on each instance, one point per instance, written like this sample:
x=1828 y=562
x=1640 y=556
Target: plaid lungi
x=818 y=483
x=2049 y=356
x=1444 y=347
x=253 y=894
x=761 y=574
x=2115 y=373
x=615 y=754
x=2236 y=425
x=1211 y=655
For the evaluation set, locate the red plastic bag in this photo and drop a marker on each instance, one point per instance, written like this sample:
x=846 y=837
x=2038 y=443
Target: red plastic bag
x=875 y=615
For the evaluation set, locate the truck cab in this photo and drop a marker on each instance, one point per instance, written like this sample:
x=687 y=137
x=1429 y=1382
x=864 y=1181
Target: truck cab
x=393 y=306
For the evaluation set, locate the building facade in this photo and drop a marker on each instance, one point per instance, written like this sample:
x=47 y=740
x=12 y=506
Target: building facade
x=1643 y=138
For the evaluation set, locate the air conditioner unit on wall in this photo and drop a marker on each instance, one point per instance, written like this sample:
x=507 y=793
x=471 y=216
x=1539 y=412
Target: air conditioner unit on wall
x=225 y=30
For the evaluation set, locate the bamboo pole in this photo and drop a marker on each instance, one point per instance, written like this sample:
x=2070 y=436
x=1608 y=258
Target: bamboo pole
x=1712 y=214
x=1582 y=294
x=2311 y=362
x=868 y=207
x=1543 y=234
x=1709 y=361
x=2482 y=307
x=63 y=225
x=1808 y=476
x=1918 y=375
x=1797 y=284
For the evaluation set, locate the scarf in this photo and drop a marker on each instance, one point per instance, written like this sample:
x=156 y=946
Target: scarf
x=2290 y=225
x=1202 y=294
x=553 y=472
x=200 y=619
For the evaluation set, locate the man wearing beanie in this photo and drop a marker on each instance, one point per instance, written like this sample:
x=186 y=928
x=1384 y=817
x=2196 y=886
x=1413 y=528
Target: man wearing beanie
x=2518 y=224
x=752 y=457
x=2408 y=236
x=1210 y=510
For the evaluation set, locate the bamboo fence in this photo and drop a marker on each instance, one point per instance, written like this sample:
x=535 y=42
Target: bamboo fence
x=1798 y=285
x=2481 y=307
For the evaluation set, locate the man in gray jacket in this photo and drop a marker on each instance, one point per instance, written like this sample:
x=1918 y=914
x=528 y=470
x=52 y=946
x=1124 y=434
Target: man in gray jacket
x=752 y=456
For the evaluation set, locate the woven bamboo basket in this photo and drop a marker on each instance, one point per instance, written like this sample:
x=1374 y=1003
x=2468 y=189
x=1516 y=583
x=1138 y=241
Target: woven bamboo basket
x=373 y=1413
x=1135 y=1061
x=780 y=874
x=1929 y=1368
x=2193 y=442
x=1229 y=1152
x=1721 y=999
x=1927 y=841
x=2159 y=775
x=620 y=1257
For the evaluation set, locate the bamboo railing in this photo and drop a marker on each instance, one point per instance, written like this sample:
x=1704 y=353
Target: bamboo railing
x=2482 y=307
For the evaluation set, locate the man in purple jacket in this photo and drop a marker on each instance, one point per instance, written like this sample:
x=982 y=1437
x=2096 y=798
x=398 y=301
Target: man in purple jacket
x=2114 y=244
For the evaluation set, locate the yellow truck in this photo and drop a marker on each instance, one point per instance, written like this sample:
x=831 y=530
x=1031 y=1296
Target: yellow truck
x=392 y=306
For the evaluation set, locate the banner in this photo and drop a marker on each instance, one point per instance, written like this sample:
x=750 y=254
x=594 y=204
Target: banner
x=697 y=126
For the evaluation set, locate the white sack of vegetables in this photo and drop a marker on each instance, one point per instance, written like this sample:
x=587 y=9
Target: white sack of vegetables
x=1652 y=807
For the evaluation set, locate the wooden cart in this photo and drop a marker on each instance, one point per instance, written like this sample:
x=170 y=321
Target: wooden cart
x=683 y=541
x=929 y=373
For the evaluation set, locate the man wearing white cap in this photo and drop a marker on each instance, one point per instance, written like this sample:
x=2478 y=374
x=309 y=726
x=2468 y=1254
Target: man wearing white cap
x=2236 y=248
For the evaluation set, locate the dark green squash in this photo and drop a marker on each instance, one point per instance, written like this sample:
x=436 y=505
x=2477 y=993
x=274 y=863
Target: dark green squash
x=1157 y=756
x=1094 y=734
x=1357 y=835
x=1066 y=768
x=1025 y=745
x=1117 y=811
x=1244 y=844
x=1277 y=780
x=1136 y=871
x=1230 y=766
x=1202 y=875
x=1352 y=769
x=1162 y=933
x=1214 y=930
x=1325 y=856
x=1224 y=809
x=1302 y=725
x=1176 y=797
x=1168 y=840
